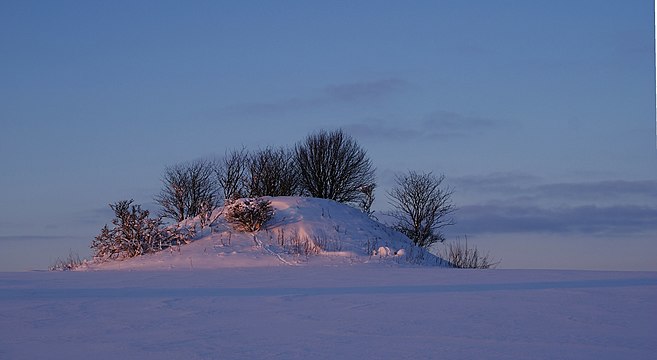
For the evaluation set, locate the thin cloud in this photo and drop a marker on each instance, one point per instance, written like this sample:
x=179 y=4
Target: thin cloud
x=446 y=123
x=525 y=187
x=516 y=202
x=617 y=189
x=34 y=237
x=589 y=219
x=500 y=182
x=381 y=131
x=363 y=92
x=437 y=125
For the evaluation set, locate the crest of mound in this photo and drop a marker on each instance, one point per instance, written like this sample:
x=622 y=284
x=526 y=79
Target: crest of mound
x=302 y=232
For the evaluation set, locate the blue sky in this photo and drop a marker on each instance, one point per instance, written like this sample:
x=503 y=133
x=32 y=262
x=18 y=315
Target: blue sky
x=540 y=113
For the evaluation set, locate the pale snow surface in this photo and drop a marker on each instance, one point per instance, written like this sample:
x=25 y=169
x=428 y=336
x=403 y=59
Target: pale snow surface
x=254 y=299
x=361 y=311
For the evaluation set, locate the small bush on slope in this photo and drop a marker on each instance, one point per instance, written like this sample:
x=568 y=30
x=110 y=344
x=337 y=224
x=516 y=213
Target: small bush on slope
x=249 y=214
x=463 y=256
x=135 y=233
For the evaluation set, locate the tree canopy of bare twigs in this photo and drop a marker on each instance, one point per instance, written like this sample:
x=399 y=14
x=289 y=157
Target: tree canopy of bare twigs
x=272 y=172
x=333 y=166
x=232 y=172
x=422 y=207
x=190 y=189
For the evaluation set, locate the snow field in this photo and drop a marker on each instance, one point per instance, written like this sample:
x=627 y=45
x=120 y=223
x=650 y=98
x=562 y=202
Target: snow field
x=328 y=312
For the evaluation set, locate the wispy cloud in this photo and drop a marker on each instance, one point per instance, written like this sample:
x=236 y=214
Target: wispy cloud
x=614 y=189
x=438 y=124
x=512 y=202
x=527 y=187
x=589 y=219
x=363 y=92
x=382 y=131
x=449 y=124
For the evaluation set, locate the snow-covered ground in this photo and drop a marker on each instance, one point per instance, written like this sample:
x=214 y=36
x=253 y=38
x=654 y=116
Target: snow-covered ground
x=230 y=296
x=364 y=311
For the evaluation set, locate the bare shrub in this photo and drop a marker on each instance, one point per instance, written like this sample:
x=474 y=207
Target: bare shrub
x=325 y=243
x=135 y=233
x=71 y=262
x=189 y=190
x=249 y=214
x=421 y=207
x=333 y=166
x=462 y=256
x=301 y=245
x=272 y=172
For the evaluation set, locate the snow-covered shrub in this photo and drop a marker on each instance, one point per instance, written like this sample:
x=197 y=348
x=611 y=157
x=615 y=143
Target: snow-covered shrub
x=135 y=233
x=463 y=256
x=249 y=214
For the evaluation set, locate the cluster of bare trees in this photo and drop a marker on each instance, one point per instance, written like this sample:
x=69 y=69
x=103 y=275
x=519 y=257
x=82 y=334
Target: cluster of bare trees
x=329 y=165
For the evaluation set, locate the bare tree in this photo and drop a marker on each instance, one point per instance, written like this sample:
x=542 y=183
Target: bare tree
x=190 y=189
x=231 y=174
x=272 y=172
x=421 y=207
x=333 y=166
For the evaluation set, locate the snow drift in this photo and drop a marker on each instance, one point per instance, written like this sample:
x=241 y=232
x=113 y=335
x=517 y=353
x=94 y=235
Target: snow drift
x=302 y=231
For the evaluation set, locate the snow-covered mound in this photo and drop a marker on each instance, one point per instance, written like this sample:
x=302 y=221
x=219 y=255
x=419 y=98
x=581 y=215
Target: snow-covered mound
x=303 y=231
